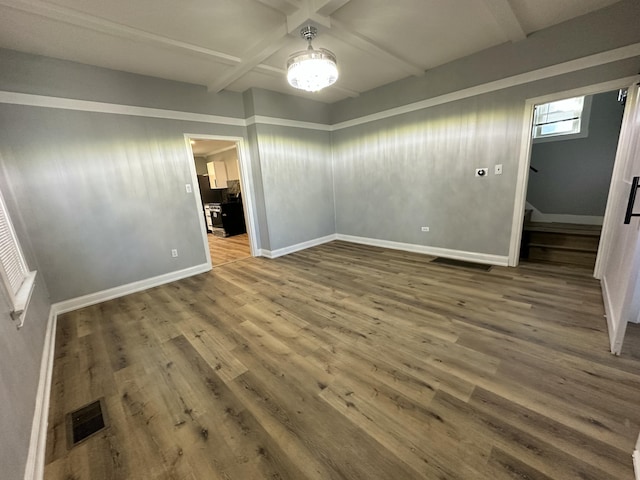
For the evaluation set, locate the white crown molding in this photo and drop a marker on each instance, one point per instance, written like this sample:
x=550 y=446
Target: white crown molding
x=476 y=257
x=31 y=100
x=34 y=469
x=283 y=122
x=116 y=292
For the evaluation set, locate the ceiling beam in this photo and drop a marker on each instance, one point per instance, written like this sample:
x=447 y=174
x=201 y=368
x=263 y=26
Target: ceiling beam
x=266 y=47
x=74 y=17
x=344 y=33
x=285 y=6
x=506 y=18
x=328 y=7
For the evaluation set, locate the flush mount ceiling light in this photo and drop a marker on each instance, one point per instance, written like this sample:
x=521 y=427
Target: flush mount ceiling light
x=311 y=70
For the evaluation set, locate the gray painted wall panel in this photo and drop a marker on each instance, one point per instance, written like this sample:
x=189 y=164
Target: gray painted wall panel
x=279 y=105
x=104 y=194
x=298 y=187
x=574 y=175
x=396 y=175
x=20 y=355
x=39 y=75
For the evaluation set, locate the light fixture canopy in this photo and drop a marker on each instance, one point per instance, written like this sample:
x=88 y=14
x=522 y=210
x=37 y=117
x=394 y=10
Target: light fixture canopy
x=310 y=69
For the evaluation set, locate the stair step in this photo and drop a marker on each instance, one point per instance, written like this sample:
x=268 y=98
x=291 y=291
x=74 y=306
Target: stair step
x=564 y=228
x=568 y=248
x=566 y=257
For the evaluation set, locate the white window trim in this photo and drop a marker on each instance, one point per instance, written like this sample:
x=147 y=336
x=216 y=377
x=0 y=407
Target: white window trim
x=585 y=117
x=19 y=300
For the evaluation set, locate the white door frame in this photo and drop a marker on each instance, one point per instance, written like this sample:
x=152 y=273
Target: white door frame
x=246 y=185
x=525 y=160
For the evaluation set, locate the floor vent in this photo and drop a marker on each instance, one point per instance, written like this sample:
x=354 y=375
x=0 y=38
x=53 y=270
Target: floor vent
x=85 y=421
x=459 y=263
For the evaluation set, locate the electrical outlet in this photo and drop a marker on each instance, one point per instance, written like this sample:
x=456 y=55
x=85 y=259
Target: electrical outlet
x=174 y=252
x=482 y=172
x=424 y=229
x=188 y=188
x=497 y=169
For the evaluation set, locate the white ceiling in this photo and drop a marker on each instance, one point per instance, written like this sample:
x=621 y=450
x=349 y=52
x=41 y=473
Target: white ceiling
x=209 y=147
x=239 y=44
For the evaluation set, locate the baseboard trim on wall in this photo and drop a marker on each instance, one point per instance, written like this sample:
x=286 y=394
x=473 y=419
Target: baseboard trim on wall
x=121 y=291
x=297 y=247
x=486 y=258
x=636 y=460
x=34 y=469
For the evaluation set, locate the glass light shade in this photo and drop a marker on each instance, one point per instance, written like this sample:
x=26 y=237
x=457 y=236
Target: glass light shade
x=312 y=70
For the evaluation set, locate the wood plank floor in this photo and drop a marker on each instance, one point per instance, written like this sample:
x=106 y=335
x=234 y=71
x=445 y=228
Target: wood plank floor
x=349 y=362
x=228 y=249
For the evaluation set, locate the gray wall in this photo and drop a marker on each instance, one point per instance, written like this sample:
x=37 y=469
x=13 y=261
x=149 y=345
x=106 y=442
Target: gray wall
x=105 y=195
x=574 y=175
x=298 y=184
x=395 y=175
x=20 y=356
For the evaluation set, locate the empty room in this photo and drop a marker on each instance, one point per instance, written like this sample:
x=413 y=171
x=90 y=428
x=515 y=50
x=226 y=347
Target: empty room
x=320 y=239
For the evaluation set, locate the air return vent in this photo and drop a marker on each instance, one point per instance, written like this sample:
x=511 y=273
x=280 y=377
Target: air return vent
x=85 y=421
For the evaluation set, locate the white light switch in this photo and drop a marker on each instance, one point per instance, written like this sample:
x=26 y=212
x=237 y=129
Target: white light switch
x=497 y=169
x=188 y=187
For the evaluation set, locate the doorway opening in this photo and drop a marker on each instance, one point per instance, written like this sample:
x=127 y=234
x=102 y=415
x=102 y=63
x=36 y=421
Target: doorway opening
x=525 y=172
x=223 y=198
x=573 y=150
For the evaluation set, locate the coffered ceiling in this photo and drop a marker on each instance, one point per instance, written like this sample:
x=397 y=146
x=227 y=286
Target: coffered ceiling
x=239 y=44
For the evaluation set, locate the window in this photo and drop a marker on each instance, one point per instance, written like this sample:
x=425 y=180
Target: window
x=562 y=120
x=17 y=280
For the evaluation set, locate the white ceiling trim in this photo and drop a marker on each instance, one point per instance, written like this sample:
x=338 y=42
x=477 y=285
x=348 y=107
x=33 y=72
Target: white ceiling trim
x=73 y=17
x=344 y=33
x=328 y=7
x=506 y=18
x=603 y=58
x=284 y=122
x=287 y=7
x=267 y=46
x=30 y=100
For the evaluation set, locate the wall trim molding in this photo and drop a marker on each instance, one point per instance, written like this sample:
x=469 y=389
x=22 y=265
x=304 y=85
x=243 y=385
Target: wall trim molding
x=62 y=103
x=284 y=122
x=116 y=292
x=297 y=247
x=487 y=258
x=34 y=469
x=602 y=58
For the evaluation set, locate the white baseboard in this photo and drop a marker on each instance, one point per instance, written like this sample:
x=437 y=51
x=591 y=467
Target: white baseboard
x=636 y=463
x=122 y=290
x=37 y=445
x=297 y=247
x=487 y=258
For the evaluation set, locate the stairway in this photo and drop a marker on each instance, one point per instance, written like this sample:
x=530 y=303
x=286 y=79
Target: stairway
x=560 y=243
